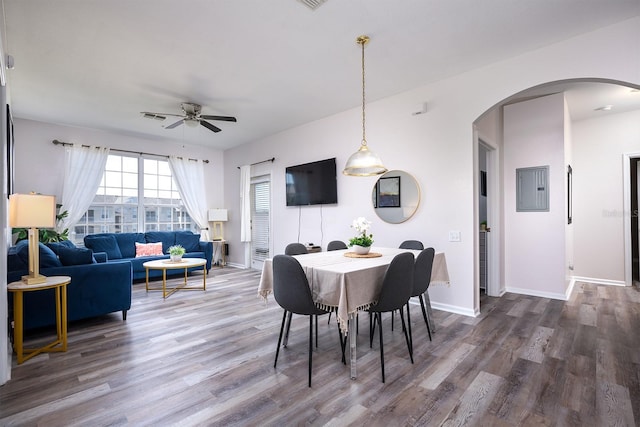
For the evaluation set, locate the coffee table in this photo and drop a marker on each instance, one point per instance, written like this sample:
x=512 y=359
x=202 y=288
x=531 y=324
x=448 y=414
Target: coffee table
x=165 y=264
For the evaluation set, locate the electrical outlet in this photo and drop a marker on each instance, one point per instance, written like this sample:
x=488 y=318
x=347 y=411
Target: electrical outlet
x=454 y=236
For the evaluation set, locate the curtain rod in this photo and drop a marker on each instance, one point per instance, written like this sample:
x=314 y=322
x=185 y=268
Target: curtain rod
x=263 y=161
x=65 y=144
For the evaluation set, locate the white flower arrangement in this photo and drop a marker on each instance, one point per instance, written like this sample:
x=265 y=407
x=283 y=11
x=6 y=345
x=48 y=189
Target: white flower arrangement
x=362 y=226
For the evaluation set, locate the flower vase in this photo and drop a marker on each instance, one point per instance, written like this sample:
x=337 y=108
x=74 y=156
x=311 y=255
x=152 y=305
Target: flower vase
x=360 y=250
x=176 y=258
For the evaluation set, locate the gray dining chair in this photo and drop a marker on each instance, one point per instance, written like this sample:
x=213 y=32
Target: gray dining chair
x=295 y=249
x=421 y=280
x=396 y=290
x=336 y=245
x=292 y=292
x=412 y=244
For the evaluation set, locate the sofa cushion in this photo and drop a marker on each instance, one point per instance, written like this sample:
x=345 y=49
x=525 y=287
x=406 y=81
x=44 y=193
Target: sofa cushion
x=48 y=258
x=103 y=243
x=189 y=241
x=126 y=243
x=14 y=262
x=168 y=238
x=75 y=256
x=55 y=246
x=148 y=249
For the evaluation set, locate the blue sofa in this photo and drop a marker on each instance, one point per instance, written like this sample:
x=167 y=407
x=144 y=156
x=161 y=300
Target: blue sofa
x=122 y=246
x=96 y=288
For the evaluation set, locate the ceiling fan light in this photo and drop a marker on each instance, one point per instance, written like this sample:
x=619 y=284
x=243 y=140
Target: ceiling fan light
x=192 y=123
x=364 y=162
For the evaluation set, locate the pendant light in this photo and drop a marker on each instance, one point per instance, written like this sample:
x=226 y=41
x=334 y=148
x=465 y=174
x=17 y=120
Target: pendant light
x=363 y=162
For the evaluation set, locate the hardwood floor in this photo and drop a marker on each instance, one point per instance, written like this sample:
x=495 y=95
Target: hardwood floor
x=206 y=358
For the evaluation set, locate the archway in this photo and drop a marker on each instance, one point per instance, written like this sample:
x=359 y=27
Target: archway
x=583 y=99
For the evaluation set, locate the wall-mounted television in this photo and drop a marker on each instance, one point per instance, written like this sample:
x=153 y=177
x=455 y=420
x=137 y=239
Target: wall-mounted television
x=312 y=183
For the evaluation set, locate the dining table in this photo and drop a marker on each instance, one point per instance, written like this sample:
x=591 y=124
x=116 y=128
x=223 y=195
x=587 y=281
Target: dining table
x=346 y=283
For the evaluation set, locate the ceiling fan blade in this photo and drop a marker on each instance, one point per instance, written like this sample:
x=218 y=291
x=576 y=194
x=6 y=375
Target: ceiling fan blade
x=178 y=123
x=149 y=113
x=220 y=118
x=210 y=126
x=156 y=116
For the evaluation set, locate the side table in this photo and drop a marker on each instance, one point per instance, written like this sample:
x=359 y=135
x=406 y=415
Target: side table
x=220 y=244
x=59 y=284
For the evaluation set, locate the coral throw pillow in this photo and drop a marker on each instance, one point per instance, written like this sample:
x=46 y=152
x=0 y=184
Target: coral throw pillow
x=148 y=249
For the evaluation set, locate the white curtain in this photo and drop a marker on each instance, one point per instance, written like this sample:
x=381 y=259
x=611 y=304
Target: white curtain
x=189 y=177
x=84 y=167
x=245 y=203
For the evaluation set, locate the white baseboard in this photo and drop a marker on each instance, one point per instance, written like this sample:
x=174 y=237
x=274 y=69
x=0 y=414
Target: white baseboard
x=535 y=293
x=233 y=264
x=567 y=294
x=597 y=281
x=454 y=309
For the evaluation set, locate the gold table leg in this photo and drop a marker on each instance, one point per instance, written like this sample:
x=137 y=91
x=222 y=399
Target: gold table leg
x=63 y=291
x=164 y=283
x=18 y=325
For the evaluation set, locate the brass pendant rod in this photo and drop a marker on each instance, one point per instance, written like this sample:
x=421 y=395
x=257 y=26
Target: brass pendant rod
x=362 y=40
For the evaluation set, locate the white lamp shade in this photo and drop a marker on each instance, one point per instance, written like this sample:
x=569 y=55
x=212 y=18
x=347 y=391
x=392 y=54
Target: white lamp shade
x=32 y=211
x=217 y=215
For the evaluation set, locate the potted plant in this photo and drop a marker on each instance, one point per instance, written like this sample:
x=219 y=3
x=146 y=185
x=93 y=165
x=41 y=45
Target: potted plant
x=176 y=252
x=361 y=243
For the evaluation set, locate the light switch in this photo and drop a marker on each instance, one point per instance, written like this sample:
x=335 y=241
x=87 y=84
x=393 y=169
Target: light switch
x=454 y=236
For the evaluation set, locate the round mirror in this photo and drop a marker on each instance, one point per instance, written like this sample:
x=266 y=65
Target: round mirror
x=396 y=196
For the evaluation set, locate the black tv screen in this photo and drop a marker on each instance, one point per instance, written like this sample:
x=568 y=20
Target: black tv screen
x=312 y=183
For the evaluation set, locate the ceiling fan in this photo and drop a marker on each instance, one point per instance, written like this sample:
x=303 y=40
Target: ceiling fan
x=191 y=117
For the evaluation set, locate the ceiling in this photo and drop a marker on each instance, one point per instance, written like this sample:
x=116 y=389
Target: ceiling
x=272 y=64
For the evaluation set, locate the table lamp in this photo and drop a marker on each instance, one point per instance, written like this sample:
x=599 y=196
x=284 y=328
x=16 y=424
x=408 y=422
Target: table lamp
x=32 y=211
x=217 y=216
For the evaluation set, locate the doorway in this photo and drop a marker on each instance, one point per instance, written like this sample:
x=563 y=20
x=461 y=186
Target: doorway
x=483 y=241
x=488 y=196
x=631 y=223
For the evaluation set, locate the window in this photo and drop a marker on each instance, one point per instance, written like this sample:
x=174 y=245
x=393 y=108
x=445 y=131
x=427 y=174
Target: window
x=260 y=219
x=136 y=194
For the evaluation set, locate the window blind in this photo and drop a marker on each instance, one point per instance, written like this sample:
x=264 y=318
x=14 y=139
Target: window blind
x=260 y=220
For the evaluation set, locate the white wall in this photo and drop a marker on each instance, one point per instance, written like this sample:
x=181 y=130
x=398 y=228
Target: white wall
x=535 y=241
x=598 y=211
x=436 y=147
x=40 y=163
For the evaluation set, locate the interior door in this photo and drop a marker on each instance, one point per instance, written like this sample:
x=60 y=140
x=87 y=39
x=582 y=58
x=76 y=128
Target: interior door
x=635 y=238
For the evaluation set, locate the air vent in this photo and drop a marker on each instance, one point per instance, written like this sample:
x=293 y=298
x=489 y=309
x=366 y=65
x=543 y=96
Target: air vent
x=312 y=4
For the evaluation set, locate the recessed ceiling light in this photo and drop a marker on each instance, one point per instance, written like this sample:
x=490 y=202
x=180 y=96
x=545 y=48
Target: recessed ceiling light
x=604 y=108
